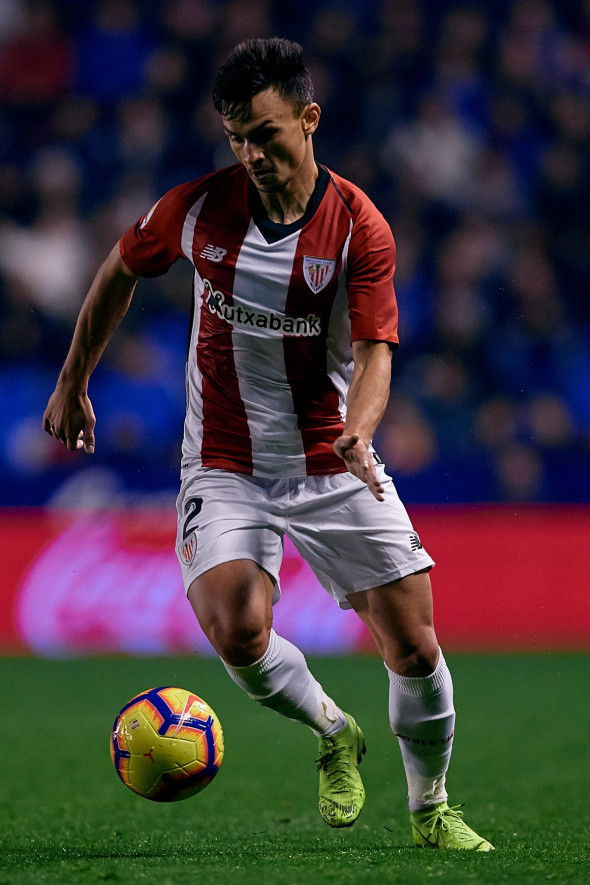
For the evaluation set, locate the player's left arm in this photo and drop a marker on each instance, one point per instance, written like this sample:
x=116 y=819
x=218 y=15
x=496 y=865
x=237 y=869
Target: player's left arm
x=367 y=399
x=373 y=315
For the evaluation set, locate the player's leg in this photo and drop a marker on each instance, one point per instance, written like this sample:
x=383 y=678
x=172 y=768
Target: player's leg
x=366 y=543
x=229 y=546
x=421 y=710
x=233 y=604
x=362 y=540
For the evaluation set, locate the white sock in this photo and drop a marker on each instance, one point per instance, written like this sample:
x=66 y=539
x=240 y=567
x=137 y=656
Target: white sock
x=422 y=717
x=282 y=681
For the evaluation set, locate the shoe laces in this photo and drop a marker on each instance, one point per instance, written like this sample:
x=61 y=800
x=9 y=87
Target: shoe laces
x=336 y=763
x=447 y=819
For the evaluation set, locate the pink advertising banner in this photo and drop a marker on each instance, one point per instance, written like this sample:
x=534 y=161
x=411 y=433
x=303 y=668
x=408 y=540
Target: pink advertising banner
x=108 y=582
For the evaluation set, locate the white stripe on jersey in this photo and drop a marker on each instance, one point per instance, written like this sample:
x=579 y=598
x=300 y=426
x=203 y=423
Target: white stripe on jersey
x=339 y=354
x=259 y=357
x=188 y=228
x=193 y=430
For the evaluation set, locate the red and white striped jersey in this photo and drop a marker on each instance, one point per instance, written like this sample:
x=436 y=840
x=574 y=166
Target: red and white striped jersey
x=276 y=308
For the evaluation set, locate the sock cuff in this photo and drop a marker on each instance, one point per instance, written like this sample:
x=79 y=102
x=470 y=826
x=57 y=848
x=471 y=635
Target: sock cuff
x=419 y=686
x=262 y=664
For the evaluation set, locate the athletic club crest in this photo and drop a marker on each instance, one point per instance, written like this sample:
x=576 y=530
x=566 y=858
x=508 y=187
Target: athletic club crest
x=187 y=550
x=318 y=272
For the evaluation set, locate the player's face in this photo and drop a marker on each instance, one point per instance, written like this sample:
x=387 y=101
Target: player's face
x=273 y=143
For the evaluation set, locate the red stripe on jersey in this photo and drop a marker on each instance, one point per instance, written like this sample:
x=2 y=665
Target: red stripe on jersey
x=315 y=399
x=371 y=263
x=226 y=435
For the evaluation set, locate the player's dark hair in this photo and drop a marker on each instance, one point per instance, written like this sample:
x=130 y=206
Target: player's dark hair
x=258 y=64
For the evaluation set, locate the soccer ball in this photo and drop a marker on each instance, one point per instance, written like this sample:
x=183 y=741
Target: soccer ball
x=167 y=744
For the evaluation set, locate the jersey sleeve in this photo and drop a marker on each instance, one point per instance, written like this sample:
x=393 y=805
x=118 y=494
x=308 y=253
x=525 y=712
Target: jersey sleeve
x=151 y=246
x=371 y=264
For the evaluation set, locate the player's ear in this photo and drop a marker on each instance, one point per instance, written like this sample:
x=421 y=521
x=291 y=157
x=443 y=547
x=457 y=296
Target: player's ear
x=310 y=118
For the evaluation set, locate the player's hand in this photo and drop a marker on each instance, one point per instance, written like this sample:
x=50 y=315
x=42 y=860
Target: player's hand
x=69 y=417
x=359 y=461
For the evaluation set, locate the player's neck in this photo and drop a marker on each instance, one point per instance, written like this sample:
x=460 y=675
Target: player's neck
x=289 y=205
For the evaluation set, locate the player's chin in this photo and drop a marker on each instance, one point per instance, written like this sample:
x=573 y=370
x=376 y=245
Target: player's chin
x=269 y=183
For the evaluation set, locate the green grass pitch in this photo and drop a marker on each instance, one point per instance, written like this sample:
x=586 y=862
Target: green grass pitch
x=521 y=765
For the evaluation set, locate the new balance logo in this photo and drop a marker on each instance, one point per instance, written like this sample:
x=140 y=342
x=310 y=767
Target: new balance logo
x=415 y=543
x=213 y=253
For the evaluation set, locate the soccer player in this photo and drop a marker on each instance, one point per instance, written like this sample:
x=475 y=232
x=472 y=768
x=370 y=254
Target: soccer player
x=288 y=376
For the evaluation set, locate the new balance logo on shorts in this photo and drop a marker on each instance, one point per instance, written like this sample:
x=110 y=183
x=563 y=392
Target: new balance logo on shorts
x=415 y=543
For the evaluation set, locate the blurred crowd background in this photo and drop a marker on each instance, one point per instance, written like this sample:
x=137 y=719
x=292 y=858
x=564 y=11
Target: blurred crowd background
x=467 y=123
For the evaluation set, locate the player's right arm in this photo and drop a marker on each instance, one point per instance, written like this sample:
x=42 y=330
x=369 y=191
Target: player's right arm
x=69 y=415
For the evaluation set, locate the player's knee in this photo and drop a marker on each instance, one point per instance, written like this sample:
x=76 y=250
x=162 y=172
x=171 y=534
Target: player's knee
x=239 y=638
x=235 y=615
x=243 y=644
x=418 y=658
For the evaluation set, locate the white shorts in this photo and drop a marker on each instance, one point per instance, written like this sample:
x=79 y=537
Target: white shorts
x=351 y=541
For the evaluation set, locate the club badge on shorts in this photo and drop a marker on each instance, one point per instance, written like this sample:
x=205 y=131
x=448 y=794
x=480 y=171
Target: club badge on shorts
x=318 y=272
x=187 y=549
